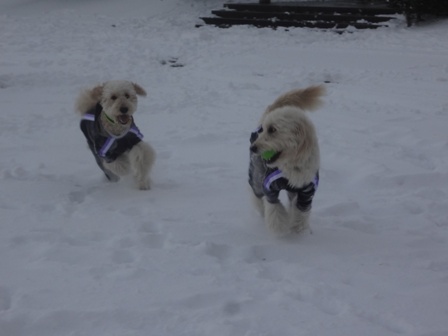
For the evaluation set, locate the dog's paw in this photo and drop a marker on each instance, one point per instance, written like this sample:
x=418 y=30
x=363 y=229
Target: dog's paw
x=120 y=166
x=276 y=217
x=144 y=184
x=298 y=229
x=111 y=176
x=300 y=223
x=277 y=228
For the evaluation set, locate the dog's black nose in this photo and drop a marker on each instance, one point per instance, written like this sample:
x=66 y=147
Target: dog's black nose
x=124 y=110
x=254 y=149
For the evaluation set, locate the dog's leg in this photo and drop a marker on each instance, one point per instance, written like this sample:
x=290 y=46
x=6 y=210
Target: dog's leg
x=109 y=175
x=300 y=209
x=298 y=220
x=276 y=217
x=119 y=167
x=142 y=157
x=257 y=202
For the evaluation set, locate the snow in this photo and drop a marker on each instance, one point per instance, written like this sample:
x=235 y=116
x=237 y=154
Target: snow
x=80 y=256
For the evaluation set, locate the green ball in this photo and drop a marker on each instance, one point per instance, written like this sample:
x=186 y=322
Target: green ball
x=267 y=155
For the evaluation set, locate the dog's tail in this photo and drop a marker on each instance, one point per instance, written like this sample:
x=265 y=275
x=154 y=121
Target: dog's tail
x=306 y=99
x=88 y=99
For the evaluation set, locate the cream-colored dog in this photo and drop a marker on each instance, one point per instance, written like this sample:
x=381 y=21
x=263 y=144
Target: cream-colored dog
x=284 y=155
x=107 y=122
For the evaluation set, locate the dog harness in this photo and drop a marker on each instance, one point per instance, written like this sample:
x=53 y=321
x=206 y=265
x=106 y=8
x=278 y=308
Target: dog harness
x=268 y=182
x=105 y=145
x=275 y=182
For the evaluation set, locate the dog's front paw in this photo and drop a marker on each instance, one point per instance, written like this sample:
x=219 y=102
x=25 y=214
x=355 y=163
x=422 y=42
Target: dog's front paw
x=111 y=176
x=144 y=184
x=300 y=222
x=276 y=217
x=298 y=229
x=120 y=166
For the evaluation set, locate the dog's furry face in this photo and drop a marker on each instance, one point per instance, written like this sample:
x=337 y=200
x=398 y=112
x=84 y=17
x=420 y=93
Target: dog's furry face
x=118 y=99
x=287 y=131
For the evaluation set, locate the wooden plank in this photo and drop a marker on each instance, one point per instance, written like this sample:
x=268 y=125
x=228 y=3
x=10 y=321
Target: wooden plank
x=315 y=6
x=227 y=22
x=299 y=16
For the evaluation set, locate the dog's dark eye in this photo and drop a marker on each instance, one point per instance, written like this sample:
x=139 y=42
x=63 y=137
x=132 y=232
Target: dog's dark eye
x=114 y=97
x=127 y=96
x=272 y=130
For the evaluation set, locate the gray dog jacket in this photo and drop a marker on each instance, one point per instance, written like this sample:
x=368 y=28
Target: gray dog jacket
x=268 y=182
x=103 y=145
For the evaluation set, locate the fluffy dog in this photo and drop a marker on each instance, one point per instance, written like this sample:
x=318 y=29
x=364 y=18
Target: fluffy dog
x=112 y=136
x=284 y=155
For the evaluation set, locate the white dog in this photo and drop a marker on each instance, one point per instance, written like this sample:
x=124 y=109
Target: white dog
x=284 y=155
x=108 y=125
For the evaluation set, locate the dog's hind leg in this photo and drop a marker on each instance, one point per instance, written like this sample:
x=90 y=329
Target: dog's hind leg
x=276 y=217
x=142 y=157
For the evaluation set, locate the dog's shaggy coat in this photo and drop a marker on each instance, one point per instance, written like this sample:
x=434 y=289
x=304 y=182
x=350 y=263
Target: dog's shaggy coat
x=286 y=130
x=108 y=125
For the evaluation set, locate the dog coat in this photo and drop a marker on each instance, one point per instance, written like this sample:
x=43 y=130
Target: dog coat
x=268 y=182
x=103 y=145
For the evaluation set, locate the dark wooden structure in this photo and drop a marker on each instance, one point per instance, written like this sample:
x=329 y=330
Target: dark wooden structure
x=325 y=14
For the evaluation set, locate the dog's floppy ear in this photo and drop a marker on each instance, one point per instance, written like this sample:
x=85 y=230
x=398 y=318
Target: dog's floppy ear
x=305 y=134
x=97 y=92
x=88 y=98
x=139 y=90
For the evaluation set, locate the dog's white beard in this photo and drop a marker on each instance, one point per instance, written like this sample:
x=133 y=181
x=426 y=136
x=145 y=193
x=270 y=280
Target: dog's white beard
x=276 y=217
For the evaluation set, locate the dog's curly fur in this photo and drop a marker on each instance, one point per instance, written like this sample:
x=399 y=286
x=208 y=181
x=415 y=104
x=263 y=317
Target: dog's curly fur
x=118 y=98
x=287 y=130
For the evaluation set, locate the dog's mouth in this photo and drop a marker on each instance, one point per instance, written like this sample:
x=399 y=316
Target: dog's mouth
x=124 y=119
x=273 y=158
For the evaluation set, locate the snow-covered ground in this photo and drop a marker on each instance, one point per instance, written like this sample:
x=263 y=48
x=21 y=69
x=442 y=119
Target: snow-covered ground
x=83 y=257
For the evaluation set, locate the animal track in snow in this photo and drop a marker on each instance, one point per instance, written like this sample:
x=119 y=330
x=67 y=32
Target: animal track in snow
x=231 y=308
x=121 y=256
x=150 y=235
x=5 y=299
x=323 y=296
x=203 y=300
x=218 y=251
x=387 y=321
x=340 y=209
x=148 y=227
x=360 y=226
x=416 y=159
x=77 y=196
x=153 y=240
x=256 y=254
